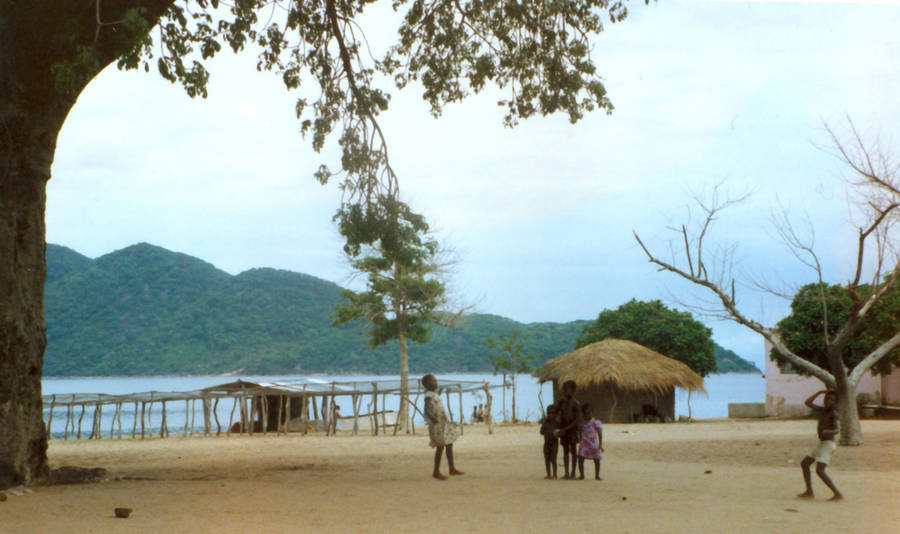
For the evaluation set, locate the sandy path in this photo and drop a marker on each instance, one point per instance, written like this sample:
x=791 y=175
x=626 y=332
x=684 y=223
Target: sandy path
x=365 y=484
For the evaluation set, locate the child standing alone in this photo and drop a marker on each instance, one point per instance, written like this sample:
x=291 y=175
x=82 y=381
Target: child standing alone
x=441 y=431
x=551 y=442
x=591 y=445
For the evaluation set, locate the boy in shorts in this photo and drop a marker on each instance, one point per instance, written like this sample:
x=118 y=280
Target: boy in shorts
x=821 y=453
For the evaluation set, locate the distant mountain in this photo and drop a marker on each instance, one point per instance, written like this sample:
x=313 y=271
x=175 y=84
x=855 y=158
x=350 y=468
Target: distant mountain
x=144 y=310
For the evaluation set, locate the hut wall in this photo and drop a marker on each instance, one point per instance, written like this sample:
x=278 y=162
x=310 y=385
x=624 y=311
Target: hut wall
x=613 y=405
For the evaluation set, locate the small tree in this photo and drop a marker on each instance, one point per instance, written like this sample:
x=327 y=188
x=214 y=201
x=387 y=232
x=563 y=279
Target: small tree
x=669 y=332
x=404 y=293
x=876 y=182
x=509 y=359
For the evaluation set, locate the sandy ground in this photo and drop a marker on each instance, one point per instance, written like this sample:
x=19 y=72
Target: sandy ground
x=656 y=480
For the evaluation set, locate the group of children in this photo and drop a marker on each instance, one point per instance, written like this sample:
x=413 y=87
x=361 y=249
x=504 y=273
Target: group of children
x=573 y=426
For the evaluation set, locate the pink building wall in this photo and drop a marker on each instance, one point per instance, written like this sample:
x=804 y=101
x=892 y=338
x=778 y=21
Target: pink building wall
x=785 y=393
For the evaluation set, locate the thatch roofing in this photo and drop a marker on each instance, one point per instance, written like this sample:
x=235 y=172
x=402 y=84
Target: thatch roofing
x=622 y=363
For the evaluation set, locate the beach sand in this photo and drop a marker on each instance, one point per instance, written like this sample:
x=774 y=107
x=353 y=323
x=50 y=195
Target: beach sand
x=656 y=480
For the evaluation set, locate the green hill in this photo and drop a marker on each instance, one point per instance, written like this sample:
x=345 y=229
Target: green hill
x=729 y=362
x=144 y=310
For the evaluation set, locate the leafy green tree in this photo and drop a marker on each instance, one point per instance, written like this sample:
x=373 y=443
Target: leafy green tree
x=538 y=51
x=507 y=357
x=651 y=324
x=817 y=313
x=404 y=294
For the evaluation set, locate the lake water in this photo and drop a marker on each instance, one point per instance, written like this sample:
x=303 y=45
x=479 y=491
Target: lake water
x=722 y=389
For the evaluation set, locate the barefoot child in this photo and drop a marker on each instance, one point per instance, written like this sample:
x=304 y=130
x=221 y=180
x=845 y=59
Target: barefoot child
x=821 y=453
x=591 y=445
x=440 y=430
x=551 y=442
x=569 y=411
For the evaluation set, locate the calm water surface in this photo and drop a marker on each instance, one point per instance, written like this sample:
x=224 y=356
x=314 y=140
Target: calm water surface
x=530 y=396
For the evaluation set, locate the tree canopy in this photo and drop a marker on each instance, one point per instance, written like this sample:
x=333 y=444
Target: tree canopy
x=669 y=332
x=811 y=324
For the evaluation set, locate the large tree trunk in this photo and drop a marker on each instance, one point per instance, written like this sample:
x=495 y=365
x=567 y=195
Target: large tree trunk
x=35 y=37
x=848 y=413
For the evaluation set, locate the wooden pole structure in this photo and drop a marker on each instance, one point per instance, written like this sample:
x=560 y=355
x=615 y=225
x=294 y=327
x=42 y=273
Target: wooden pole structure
x=243 y=413
x=134 y=423
x=143 y=409
x=462 y=423
x=375 y=406
x=68 y=418
x=355 y=414
x=207 y=424
x=112 y=426
x=163 y=430
x=449 y=409
x=79 y=422
x=304 y=411
x=94 y=422
x=231 y=419
x=187 y=407
x=150 y=417
x=216 y=416
x=119 y=410
x=489 y=419
x=287 y=414
x=50 y=417
x=412 y=424
x=265 y=413
x=251 y=414
x=280 y=423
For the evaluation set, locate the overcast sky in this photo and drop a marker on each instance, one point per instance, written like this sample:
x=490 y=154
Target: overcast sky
x=541 y=216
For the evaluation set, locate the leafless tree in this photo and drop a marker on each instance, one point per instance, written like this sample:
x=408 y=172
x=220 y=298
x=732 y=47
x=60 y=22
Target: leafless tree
x=874 y=180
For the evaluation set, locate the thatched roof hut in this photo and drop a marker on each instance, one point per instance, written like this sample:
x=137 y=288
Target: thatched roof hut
x=623 y=381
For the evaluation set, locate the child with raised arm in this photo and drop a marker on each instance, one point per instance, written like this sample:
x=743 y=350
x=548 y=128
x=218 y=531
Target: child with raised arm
x=441 y=431
x=551 y=442
x=827 y=429
x=591 y=445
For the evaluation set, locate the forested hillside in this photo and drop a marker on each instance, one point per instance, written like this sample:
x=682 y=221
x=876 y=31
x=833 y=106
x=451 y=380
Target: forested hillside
x=144 y=310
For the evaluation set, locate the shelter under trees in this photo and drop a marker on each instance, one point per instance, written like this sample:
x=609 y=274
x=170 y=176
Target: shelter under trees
x=622 y=380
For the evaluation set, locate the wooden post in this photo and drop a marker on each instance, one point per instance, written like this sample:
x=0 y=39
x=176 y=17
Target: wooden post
x=251 y=413
x=449 y=409
x=216 y=416
x=162 y=426
x=462 y=423
x=280 y=423
x=489 y=419
x=50 y=417
x=119 y=410
x=375 y=406
x=68 y=418
x=264 y=413
x=384 y=412
x=242 y=412
x=355 y=414
x=207 y=424
x=112 y=426
x=187 y=406
x=231 y=419
x=304 y=411
x=79 y=422
x=150 y=416
x=135 y=421
x=143 y=409
x=412 y=422
x=287 y=414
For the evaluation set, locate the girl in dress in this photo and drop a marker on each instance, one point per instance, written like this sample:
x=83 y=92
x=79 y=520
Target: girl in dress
x=441 y=431
x=591 y=445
